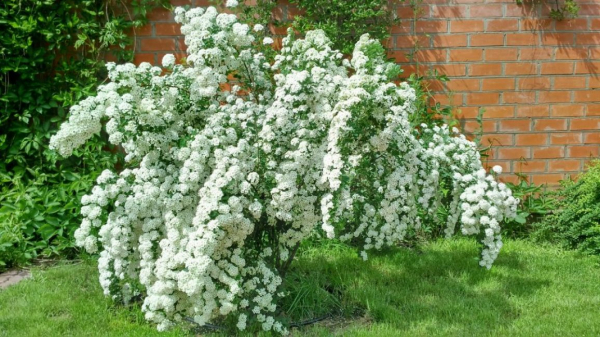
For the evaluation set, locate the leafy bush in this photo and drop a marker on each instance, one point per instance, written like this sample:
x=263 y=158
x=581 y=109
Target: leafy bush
x=234 y=159
x=535 y=204
x=52 y=56
x=576 y=222
x=346 y=20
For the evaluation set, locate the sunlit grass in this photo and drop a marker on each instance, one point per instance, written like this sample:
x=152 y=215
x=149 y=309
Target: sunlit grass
x=437 y=291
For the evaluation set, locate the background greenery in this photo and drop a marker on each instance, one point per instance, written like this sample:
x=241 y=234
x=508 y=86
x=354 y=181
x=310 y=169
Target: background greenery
x=52 y=54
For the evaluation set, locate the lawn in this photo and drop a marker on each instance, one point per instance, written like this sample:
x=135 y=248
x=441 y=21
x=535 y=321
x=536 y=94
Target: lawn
x=438 y=290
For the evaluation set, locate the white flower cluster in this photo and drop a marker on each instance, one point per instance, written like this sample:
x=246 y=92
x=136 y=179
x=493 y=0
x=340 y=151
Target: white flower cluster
x=223 y=182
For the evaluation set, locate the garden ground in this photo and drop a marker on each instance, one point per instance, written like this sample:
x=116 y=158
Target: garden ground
x=437 y=290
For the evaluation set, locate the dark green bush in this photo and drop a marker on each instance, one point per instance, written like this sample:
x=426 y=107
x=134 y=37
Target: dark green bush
x=51 y=55
x=576 y=222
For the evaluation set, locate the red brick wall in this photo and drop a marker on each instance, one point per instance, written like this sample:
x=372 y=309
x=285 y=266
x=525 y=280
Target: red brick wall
x=536 y=77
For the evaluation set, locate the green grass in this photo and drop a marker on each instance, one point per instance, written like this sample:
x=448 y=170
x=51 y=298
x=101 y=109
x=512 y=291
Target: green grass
x=532 y=290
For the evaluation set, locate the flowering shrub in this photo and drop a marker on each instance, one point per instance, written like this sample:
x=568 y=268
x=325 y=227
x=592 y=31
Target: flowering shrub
x=223 y=182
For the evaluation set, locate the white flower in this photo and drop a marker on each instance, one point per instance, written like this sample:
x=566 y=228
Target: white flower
x=497 y=169
x=231 y=3
x=267 y=40
x=168 y=60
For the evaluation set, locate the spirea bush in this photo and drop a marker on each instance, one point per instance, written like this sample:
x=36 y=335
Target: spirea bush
x=234 y=159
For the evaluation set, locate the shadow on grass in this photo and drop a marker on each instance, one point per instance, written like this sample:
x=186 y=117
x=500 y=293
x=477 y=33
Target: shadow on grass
x=402 y=288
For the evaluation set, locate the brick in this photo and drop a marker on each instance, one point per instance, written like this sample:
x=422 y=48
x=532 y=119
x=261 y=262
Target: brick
x=402 y=27
x=593 y=109
x=548 y=152
x=139 y=58
x=578 y=25
x=400 y=56
x=498 y=84
x=168 y=29
x=500 y=54
x=157 y=44
x=533 y=111
x=485 y=11
x=539 y=53
x=550 y=125
x=404 y=12
x=486 y=40
x=594 y=53
x=565 y=138
x=451 y=12
x=485 y=69
x=587 y=96
x=406 y=41
x=528 y=166
x=483 y=98
x=534 y=83
x=514 y=152
x=587 y=38
x=463 y=84
x=587 y=68
x=548 y=179
x=595 y=24
x=594 y=82
x=531 y=139
x=512 y=9
x=501 y=25
x=466 y=26
x=559 y=68
x=525 y=39
x=591 y=138
x=434 y=85
x=562 y=39
x=412 y=69
x=471 y=126
x=451 y=40
x=568 y=110
x=430 y=55
x=569 y=82
x=431 y=26
x=582 y=151
x=145 y=30
x=159 y=14
x=516 y=125
x=535 y=24
x=497 y=139
x=468 y=112
x=589 y=9
x=443 y=99
x=520 y=69
x=465 y=55
x=585 y=124
x=564 y=165
x=571 y=53
x=450 y=69
x=554 y=96
x=518 y=97
x=499 y=111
